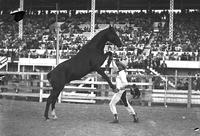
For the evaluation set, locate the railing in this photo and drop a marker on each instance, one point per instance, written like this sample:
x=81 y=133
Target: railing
x=35 y=85
x=186 y=92
x=162 y=77
x=24 y=84
x=3 y=61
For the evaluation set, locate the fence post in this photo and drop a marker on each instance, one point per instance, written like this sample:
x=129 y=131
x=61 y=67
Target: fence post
x=103 y=93
x=150 y=91
x=166 y=87
x=41 y=87
x=92 y=85
x=189 y=93
x=144 y=95
x=176 y=77
x=7 y=67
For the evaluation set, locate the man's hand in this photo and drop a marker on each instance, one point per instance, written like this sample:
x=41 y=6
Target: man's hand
x=113 y=86
x=115 y=90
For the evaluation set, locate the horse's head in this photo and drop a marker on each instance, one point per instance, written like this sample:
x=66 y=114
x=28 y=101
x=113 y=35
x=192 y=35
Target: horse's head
x=113 y=37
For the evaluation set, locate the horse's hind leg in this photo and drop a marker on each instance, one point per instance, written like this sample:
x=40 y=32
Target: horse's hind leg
x=57 y=88
x=53 y=112
x=49 y=101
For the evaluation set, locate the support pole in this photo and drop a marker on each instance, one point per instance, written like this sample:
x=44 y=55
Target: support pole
x=176 y=78
x=57 y=36
x=189 y=101
x=21 y=6
x=92 y=18
x=171 y=20
x=57 y=46
x=41 y=87
x=165 y=95
x=150 y=92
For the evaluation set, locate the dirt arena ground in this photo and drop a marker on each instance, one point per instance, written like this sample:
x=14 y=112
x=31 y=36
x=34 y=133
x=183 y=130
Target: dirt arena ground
x=25 y=118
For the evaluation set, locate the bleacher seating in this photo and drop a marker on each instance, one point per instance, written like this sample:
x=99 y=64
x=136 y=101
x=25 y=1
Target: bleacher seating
x=143 y=48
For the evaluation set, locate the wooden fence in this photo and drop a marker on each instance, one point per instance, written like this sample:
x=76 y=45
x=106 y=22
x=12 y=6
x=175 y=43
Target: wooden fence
x=23 y=84
x=189 y=96
x=90 y=90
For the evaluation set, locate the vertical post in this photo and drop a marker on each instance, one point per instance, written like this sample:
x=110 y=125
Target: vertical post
x=92 y=18
x=150 y=91
x=18 y=67
x=57 y=36
x=33 y=68
x=166 y=87
x=7 y=67
x=92 y=92
x=171 y=20
x=189 y=93
x=23 y=70
x=176 y=76
x=21 y=6
x=144 y=95
x=92 y=85
x=57 y=46
x=92 y=79
x=118 y=4
x=142 y=86
x=41 y=87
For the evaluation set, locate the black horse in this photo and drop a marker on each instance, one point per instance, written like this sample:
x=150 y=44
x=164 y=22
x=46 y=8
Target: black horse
x=90 y=58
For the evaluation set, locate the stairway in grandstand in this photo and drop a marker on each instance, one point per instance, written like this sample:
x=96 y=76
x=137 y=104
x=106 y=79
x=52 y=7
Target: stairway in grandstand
x=162 y=77
x=3 y=61
x=151 y=39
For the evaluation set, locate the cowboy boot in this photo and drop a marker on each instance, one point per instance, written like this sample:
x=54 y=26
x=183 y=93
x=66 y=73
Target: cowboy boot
x=135 y=118
x=115 y=119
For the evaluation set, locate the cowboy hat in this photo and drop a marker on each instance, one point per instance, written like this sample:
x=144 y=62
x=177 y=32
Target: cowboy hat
x=18 y=15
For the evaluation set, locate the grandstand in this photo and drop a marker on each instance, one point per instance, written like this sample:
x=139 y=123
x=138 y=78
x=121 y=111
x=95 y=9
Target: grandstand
x=144 y=30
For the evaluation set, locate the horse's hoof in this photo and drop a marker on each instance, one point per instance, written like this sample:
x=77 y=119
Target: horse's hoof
x=47 y=119
x=136 y=120
x=55 y=118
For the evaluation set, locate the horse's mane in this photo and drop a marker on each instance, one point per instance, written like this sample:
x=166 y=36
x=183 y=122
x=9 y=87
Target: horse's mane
x=96 y=37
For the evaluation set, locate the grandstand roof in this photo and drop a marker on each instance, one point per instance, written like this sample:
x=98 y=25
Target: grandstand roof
x=100 y=4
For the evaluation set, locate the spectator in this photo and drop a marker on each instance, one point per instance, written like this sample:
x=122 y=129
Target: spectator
x=198 y=82
x=163 y=68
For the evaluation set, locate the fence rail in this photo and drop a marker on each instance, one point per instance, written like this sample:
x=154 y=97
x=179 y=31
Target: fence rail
x=93 y=90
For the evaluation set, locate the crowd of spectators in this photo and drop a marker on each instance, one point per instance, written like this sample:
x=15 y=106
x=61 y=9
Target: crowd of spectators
x=137 y=34
x=145 y=44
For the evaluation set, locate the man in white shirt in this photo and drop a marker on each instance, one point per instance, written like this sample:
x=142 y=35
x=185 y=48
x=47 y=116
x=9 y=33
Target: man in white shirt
x=121 y=84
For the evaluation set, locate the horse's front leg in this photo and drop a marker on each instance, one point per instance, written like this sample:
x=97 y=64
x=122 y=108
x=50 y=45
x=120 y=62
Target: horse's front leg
x=110 y=57
x=102 y=73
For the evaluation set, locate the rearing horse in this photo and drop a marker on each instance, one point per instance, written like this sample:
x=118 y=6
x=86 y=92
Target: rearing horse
x=90 y=58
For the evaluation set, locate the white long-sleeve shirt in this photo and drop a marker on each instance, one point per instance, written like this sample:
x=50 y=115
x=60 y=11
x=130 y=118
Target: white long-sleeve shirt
x=121 y=80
